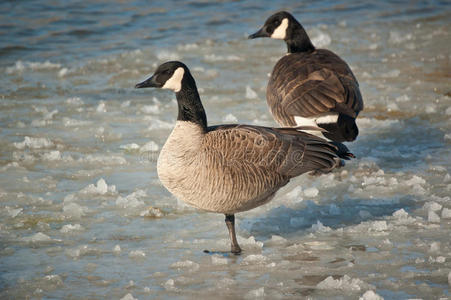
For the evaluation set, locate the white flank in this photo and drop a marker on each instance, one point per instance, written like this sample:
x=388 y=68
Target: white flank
x=175 y=82
x=301 y=121
x=281 y=31
x=331 y=118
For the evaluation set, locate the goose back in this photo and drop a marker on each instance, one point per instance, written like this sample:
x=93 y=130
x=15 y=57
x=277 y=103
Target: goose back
x=309 y=84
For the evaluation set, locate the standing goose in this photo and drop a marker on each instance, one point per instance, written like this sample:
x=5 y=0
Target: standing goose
x=228 y=168
x=309 y=86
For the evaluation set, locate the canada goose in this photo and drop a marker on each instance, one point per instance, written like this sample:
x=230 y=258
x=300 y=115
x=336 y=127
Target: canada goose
x=228 y=168
x=309 y=86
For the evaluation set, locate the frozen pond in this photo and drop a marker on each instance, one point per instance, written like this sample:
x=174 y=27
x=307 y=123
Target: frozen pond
x=84 y=216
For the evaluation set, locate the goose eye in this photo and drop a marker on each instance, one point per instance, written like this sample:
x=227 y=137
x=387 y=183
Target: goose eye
x=276 y=22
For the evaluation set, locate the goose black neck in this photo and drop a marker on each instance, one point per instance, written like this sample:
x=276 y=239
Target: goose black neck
x=189 y=104
x=298 y=40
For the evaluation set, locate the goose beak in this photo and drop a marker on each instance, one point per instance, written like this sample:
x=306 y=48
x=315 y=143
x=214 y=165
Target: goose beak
x=151 y=82
x=261 y=33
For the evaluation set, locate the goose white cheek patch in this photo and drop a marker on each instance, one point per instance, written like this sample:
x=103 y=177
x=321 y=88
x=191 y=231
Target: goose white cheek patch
x=175 y=82
x=281 y=31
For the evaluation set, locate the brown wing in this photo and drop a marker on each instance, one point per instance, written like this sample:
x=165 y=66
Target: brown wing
x=310 y=84
x=284 y=151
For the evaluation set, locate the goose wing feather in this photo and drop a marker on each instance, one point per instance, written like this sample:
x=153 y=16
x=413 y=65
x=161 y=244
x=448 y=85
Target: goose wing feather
x=309 y=84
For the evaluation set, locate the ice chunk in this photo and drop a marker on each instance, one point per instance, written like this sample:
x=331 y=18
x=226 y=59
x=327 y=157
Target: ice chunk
x=153 y=212
x=131 y=200
x=311 y=192
x=398 y=38
x=129 y=147
x=391 y=74
x=70 y=228
x=345 y=283
x=167 y=55
x=378 y=226
x=258 y=293
x=74 y=210
x=321 y=40
x=403 y=98
x=34 y=143
x=250 y=242
x=101 y=188
x=150 y=109
x=219 y=260
x=129 y=297
x=319 y=227
x=186 y=264
x=63 y=72
x=75 y=101
x=229 y=118
x=53 y=279
x=400 y=214
x=215 y=57
x=276 y=240
x=37 y=237
x=52 y=155
x=104 y=159
x=432 y=206
x=149 y=146
x=433 y=217
x=295 y=193
x=255 y=259
x=101 y=108
x=446 y=213
x=435 y=247
x=117 y=249
x=169 y=285
x=13 y=212
x=137 y=254
x=250 y=93
x=370 y=295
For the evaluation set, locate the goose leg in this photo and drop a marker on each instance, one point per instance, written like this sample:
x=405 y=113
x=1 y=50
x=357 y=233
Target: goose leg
x=230 y=222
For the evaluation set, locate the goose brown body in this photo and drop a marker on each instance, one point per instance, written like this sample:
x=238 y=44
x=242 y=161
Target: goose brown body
x=229 y=168
x=309 y=84
x=234 y=168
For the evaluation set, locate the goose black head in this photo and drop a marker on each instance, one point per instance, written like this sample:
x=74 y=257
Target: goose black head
x=283 y=26
x=169 y=75
x=277 y=26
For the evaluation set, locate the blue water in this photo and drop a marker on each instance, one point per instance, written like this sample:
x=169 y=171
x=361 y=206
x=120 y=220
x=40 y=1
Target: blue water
x=83 y=214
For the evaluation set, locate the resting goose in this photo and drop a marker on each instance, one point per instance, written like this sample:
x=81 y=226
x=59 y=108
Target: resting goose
x=228 y=168
x=309 y=86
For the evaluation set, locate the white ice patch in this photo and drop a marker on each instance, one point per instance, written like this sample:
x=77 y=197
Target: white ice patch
x=71 y=228
x=35 y=66
x=38 y=238
x=321 y=40
x=175 y=82
x=229 y=118
x=345 y=283
x=250 y=93
x=34 y=143
x=215 y=58
x=281 y=31
x=129 y=297
x=100 y=189
x=136 y=254
x=370 y=295
x=150 y=146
